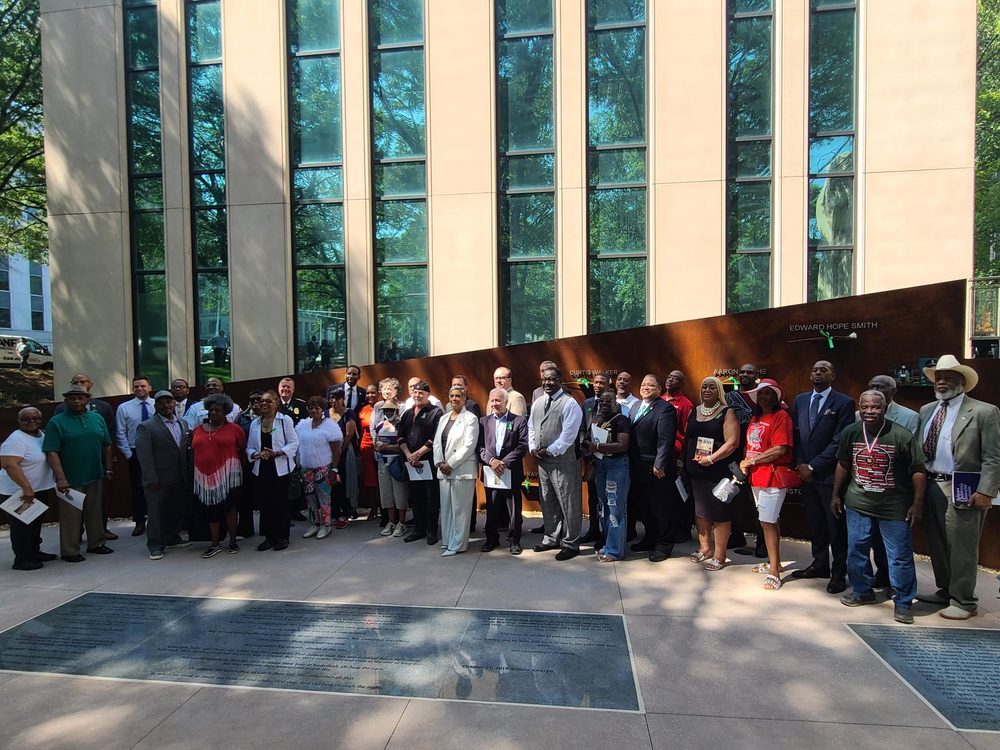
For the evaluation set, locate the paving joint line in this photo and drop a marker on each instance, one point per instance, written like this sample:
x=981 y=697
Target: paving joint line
x=338 y=568
x=396 y=726
x=462 y=592
x=156 y=726
x=801 y=721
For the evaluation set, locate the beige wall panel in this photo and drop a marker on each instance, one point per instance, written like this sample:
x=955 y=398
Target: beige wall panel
x=921 y=80
x=686 y=45
x=793 y=117
x=460 y=102
x=360 y=283
x=173 y=104
x=260 y=291
x=180 y=285
x=83 y=76
x=571 y=262
x=919 y=228
x=463 y=315
x=91 y=323
x=571 y=95
x=790 y=279
x=689 y=246
x=54 y=6
x=255 y=94
x=356 y=97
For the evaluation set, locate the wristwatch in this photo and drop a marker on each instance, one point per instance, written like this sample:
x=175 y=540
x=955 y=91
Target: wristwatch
x=810 y=467
x=335 y=471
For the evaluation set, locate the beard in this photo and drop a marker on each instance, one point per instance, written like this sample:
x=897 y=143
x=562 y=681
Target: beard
x=949 y=394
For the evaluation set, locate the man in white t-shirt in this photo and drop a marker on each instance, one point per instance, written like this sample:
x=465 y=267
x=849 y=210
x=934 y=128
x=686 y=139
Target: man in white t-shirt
x=23 y=468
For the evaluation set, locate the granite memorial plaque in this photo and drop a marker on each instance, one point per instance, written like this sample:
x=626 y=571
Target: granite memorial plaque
x=956 y=670
x=535 y=658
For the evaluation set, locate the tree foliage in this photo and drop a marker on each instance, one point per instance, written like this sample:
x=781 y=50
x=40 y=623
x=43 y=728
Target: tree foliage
x=987 y=213
x=23 y=227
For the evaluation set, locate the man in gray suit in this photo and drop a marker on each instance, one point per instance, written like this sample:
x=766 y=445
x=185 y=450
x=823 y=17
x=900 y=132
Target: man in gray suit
x=554 y=441
x=961 y=439
x=894 y=413
x=163 y=447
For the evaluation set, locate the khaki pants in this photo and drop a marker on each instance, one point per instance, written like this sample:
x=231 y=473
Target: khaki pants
x=953 y=538
x=69 y=520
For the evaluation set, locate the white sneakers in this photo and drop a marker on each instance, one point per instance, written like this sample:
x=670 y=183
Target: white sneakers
x=400 y=529
x=324 y=532
x=311 y=532
x=388 y=529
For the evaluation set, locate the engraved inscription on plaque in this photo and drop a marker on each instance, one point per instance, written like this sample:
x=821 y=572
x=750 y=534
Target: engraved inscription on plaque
x=956 y=670
x=482 y=655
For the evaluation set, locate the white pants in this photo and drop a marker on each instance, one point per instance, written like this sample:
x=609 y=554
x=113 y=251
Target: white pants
x=456 y=512
x=769 y=501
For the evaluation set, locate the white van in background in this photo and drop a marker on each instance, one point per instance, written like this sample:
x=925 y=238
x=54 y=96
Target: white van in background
x=40 y=356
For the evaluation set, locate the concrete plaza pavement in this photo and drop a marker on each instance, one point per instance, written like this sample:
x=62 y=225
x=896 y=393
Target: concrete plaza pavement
x=720 y=661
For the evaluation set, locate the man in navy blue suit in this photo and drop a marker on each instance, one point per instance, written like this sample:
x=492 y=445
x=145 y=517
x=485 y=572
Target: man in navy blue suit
x=818 y=417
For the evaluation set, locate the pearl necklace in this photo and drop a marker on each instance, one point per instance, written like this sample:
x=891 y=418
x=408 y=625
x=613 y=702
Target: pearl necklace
x=709 y=412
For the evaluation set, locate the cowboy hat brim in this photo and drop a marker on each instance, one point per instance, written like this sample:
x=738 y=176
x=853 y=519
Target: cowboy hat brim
x=951 y=364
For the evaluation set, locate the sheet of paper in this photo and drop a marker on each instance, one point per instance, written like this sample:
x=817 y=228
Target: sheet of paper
x=74 y=498
x=422 y=473
x=681 y=489
x=492 y=482
x=599 y=435
x=14 y=508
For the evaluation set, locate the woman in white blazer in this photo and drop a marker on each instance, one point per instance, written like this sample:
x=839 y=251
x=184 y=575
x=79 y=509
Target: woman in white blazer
x=271 y=447
x=455 y=457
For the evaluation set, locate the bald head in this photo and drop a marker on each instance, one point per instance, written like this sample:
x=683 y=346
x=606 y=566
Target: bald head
x=675 y=381
x=82 y=379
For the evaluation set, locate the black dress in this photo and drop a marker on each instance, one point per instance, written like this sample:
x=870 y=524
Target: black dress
x=704 y=478
x=271 y=496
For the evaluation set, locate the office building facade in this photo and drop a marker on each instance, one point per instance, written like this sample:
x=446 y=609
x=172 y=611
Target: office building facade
x=248 y=188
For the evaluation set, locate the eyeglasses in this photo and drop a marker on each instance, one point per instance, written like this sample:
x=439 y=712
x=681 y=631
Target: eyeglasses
x=29 y=419
x=79 y=382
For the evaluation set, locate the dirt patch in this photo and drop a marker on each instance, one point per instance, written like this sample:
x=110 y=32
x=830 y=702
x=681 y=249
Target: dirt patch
x=24 y=387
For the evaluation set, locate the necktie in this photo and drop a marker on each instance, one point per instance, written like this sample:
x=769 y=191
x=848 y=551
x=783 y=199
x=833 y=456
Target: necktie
x=548 y=405
x=347 y=397
x=934 y=432
x=814 y=410
x=145 y=411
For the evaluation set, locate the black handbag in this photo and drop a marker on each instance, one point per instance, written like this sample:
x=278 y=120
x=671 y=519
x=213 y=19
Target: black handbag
x=397 y=469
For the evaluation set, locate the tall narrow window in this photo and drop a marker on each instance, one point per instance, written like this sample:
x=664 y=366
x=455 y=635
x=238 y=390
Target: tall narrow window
x=832 y=63
x=4 y=292
x=396 y=39
x=207 y=142
x=748 y=170
x=526 y=171
x=149 y=283
x=317 y=184
x=37 y=289
x=616 y=88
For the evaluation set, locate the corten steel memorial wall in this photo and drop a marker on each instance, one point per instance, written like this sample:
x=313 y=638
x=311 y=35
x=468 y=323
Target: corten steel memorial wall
x=892 y=328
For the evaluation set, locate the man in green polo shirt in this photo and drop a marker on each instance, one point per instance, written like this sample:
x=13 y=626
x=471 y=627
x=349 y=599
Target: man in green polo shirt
x=881 y=466
x=77 y=446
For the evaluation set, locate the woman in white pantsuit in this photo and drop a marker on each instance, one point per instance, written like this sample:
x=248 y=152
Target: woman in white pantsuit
x=455 y=458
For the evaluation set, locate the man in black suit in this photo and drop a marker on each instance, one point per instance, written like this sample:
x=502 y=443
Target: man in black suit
x=104 y=409
x=594 y=534
x=354 y=395
x=651 y=464
x=503 y=442
x=287 y=403
x=818 y=418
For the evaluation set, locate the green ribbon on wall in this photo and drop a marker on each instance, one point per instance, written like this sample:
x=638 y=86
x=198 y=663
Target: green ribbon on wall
x=829 y=338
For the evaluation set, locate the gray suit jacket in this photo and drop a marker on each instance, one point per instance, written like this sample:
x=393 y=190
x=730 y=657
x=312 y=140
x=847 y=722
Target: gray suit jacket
x=900 y=415
x=161 y=459
x=975 y=441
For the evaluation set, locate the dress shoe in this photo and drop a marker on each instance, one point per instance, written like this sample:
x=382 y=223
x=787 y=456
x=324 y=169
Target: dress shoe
x=488 y=547
x=138 y=530
x=736 y=541
x=515 y=548
x=957 y=613
x=280 y=545
x=940 y=597
x=26 y=565
x=74 y=558
x=836 y=585
x=432 y=539
x=414 y=536
x=449 y=553
x=110 y=535
x=44 y=557
x=901 y=613
x=101 y=550
x=641 y=547
x=810 y=572
x=567 y=554
x=858 y=600
x=264 y=546
x=544 y=547
x=538 y=530
x=658 y=556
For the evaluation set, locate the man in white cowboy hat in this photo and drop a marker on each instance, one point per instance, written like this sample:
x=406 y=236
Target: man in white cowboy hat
x=959 y=436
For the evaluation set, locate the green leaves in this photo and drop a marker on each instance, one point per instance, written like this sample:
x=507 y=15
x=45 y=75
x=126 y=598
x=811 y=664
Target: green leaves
x=23 y=227
x=987 y=212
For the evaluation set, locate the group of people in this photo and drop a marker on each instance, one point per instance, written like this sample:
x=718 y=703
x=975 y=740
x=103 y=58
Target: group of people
x=866 y=476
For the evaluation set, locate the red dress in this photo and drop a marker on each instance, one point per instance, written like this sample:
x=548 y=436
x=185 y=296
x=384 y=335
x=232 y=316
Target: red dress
x=369 y=471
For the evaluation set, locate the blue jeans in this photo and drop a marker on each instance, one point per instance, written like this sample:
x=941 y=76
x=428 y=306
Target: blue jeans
x=899 y=551
x=612 y=480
